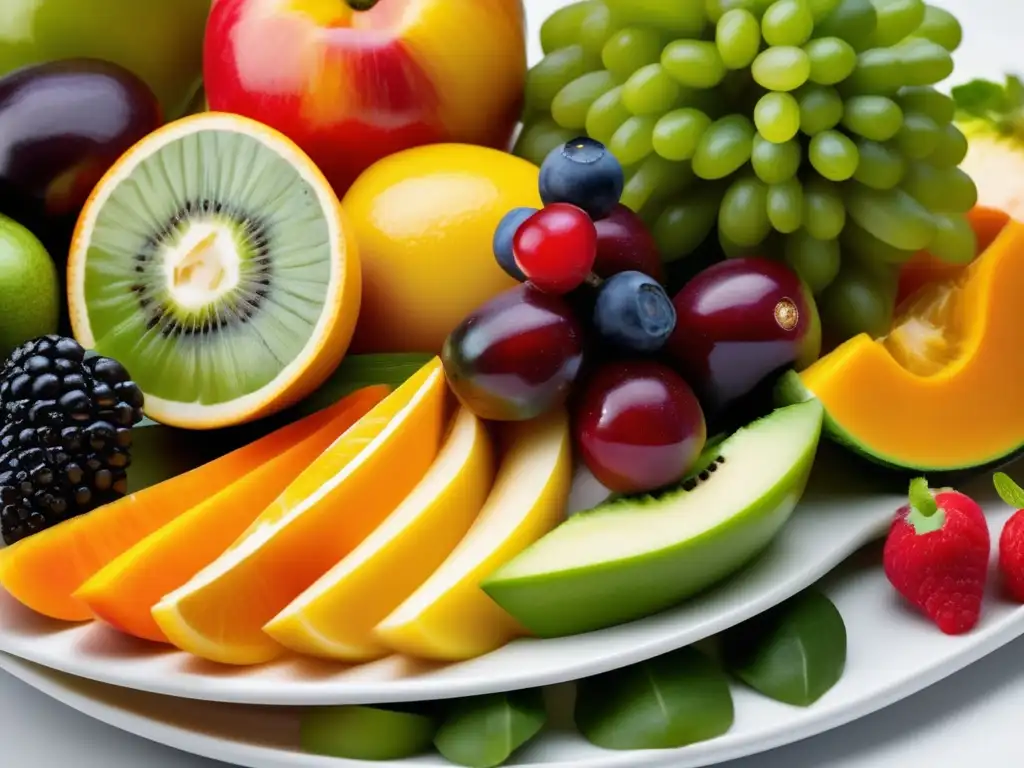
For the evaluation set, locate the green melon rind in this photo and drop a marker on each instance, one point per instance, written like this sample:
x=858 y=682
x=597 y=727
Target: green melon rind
x=791 y=389
x=603 y=594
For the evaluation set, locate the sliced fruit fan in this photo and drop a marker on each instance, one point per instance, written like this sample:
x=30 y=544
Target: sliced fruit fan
x=315 y=369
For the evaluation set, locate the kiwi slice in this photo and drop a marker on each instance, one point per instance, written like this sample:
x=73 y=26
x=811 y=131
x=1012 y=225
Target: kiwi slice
x=211 y=261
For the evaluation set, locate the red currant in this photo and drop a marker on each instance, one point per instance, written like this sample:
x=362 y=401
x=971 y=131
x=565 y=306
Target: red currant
x=556 y=247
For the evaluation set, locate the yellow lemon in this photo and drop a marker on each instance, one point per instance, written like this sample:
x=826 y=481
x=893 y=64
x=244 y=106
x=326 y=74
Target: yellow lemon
x=424 y=221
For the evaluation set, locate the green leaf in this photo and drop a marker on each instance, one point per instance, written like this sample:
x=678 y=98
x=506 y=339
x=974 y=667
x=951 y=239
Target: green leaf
x=368 y=733
x=678 y=699
x=358 y=371
x=793 y=653
x=1008 y=490
x=981 y=98
x=484 y=731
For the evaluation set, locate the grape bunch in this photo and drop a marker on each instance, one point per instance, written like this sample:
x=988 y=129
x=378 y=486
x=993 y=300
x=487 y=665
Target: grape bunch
x=808 y=131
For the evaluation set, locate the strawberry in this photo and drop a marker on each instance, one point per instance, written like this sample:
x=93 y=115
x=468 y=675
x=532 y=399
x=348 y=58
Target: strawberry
x=1011 y=540
x=937 y=556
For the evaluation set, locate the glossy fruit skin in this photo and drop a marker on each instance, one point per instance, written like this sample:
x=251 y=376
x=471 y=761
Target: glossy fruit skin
x=62 y=125
x=634 y=313
x=161 y=41
x=738 y=322
x=556 y=247
x=352 y=87
x=504 y=237
x=638 y=426
x=516 y=357
x=625 y=243
x=584 y=173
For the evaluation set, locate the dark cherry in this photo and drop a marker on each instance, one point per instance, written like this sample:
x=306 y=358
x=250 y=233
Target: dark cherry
x=516 y=357
x=62 y=125
x=739 y=322
x=625 y=244
x=638 y=426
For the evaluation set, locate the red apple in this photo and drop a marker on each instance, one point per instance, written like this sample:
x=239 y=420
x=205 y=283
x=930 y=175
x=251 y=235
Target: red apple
x=352 y=86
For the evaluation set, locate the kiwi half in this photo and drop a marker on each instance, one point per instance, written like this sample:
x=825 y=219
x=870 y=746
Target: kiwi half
x=213 y=263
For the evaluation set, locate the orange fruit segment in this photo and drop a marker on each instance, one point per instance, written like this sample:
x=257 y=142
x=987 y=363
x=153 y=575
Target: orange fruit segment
x=318 y=519
x=43 y=571
x=335 y=617
x=124 y=591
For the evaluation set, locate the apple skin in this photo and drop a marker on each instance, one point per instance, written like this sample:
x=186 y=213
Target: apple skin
x=351 y=87
x=160 y=41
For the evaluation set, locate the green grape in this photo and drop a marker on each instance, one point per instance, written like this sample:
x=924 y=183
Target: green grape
x=694 y=63
x=821 y=9
x=852 y=20
x=786 y=205
x=951 y=148
x=552 y=73
x=940 y=190
x=815 y=261
x=650 y=91
x=572 y=103
x=832 y=60
x=878 y=71
x=630 y=49
x=824 y=212
x=821 y=108
x=678 y=133
x=783 y=68
x=787 y=22
x=923 y=62
x=634 y=139
x=874 y=117
x=743 y=215
x=716 y=9
x=940 y=26
x=955 y=241
x=880 y=166
x=597 y=28
x=606 y=115
x=918 y=136
x=685 y=224
x=738 y=38
x=683 y=18
x=925 y=100
x=833 y=155
x=656 y=180
x=724 y=148
x=892 y=215
x=537 y=139
x=896 y=20
x=868 y=249
x=775 y=163
x=855 y=302
x=561 y=28
x=777 y=117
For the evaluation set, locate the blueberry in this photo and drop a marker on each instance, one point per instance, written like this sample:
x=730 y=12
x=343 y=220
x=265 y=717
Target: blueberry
x=582 y=172
x=504 y=236
x=634 y=312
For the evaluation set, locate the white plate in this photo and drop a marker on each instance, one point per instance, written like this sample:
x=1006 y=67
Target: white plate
x=893 y=653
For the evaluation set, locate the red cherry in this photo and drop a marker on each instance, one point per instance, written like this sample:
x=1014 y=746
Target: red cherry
x=556 y=247
x=624 y=243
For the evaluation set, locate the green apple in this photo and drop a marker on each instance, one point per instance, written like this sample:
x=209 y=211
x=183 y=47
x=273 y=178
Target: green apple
x=633 y=557
x=161 y=41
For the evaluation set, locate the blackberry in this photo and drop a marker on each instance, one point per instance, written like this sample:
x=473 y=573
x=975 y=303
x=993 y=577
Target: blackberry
x=66 y=434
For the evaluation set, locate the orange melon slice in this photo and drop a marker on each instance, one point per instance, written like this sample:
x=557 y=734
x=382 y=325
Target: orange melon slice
x=124 y=591
x=321 y=517
x=44 y=571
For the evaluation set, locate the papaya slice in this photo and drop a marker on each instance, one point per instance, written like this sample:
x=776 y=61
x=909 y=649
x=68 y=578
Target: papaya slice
x=43 y=571
x=124 y=591
x=943 y=390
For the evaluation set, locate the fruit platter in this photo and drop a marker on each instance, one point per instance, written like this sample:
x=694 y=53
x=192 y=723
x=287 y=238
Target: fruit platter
x=402 y=364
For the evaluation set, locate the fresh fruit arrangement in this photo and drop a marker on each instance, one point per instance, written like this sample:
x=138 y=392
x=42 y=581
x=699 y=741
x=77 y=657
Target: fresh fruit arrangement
x=805 y=130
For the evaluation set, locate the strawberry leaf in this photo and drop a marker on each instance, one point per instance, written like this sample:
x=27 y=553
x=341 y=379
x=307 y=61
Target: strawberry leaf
x=1008 y=490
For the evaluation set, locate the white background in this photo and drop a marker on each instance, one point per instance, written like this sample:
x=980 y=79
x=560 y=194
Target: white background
x=971 y=719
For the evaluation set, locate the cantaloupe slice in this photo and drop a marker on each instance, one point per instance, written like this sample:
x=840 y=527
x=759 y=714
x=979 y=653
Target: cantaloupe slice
x=124 y=591
x=44 y=571
x=321 y=517
x=335 y=617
